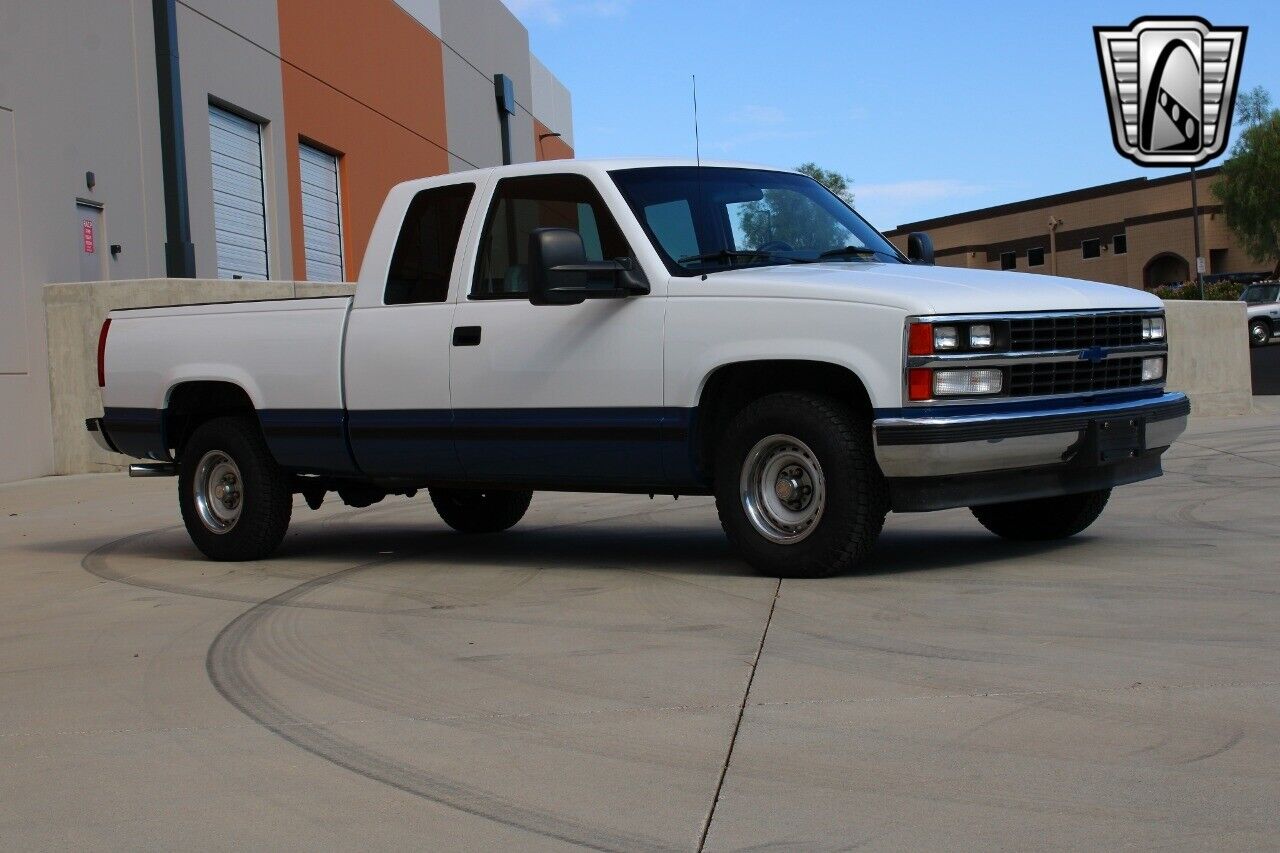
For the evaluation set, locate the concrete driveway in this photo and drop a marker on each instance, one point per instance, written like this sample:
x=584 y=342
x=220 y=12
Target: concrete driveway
x=596 y=676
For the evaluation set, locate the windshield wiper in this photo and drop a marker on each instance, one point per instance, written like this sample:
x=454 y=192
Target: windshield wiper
x=850 y=251
x=724 y=255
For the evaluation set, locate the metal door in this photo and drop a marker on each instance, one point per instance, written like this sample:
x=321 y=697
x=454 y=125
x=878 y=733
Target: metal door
x=89 y=241
x=321 y=214
x=239 y=204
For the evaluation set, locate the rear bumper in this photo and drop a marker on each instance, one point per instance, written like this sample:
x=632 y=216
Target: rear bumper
x=937 y=460
x=94 y=427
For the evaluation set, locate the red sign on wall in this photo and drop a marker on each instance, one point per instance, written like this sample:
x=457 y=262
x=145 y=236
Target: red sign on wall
x=86 y=228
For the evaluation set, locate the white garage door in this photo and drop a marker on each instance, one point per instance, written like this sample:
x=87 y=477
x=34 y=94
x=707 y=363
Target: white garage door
x=239 y=208
x=321 y=214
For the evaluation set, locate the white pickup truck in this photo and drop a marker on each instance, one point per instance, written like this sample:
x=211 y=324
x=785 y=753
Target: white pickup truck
x=649 y=326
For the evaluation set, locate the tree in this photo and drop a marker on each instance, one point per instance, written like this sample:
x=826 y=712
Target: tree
x=1253 y=107
x=831 y=179
x=786 y=218
x=1249 y=188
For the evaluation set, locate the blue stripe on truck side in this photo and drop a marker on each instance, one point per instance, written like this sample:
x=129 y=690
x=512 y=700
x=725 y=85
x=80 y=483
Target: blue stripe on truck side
x=312 y=441
x=606 y=446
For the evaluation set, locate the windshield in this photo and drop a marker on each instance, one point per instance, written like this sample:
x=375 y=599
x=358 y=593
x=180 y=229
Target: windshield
x=712 y=219
x=1260 y=293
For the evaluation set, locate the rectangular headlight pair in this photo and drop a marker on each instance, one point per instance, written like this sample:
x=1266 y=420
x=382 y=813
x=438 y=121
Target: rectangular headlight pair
x=1153 y=329
x=949 y=337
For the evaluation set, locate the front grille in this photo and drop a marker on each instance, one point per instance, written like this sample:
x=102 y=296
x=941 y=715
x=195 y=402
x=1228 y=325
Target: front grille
x=1075 y=332
x=1073 y=377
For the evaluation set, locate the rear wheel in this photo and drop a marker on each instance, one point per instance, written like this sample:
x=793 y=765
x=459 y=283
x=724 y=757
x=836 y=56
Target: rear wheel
x=797 y=488
x=235 y=500
x=480 y=510
x=1259 y=332
x=1044 y=518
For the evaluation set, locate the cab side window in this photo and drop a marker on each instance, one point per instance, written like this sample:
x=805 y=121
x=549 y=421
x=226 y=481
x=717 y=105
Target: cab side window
x=424 y=253
x=540 y=201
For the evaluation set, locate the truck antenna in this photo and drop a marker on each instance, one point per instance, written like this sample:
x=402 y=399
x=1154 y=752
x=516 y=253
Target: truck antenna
x=697 y=149
x=697 y=143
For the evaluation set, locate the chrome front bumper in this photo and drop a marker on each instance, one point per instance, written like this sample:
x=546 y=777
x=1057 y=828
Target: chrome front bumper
x=938 y=444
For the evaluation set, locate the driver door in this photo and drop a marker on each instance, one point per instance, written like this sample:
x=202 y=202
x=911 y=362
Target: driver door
x=554 y=395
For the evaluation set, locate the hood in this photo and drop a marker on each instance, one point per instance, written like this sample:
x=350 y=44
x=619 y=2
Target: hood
x=919 y=289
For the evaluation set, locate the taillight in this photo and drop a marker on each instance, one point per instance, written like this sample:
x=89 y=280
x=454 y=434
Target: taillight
x=102 y=353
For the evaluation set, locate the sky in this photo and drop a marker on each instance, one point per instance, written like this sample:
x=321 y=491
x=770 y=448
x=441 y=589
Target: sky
x=931 y=108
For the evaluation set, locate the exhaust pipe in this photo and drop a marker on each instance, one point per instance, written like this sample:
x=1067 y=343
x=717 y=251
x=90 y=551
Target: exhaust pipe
x=153 y=469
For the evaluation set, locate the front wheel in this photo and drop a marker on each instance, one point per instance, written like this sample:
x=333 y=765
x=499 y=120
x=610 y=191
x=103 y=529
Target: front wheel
x=480 y=510
x=1043 y=519
x=235 y=500
x=797 y=487
x=1259 y=332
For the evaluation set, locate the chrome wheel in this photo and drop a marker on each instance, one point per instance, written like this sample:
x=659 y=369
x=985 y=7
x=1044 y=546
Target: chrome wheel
x=219 y=491
x=1259 y=333
x=783 y=490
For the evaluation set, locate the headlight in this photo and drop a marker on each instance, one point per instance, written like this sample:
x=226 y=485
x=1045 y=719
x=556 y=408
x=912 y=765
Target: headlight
x=945 y=337
x=955 y=383
x=980 y=336
x=1152 y=369
x=1153 y=329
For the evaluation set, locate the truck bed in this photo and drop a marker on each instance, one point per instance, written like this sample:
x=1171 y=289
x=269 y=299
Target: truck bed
x=286 y=354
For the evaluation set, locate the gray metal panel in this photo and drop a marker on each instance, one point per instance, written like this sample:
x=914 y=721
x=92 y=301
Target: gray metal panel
x=482 y=38
x=239 y=202
x=471 y=114
x=321 y=214
x=550 y=102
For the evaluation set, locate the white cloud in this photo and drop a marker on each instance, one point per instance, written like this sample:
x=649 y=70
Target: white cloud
x=732 y=143
x=556 y=12
x=901 y=192
x=890 y=204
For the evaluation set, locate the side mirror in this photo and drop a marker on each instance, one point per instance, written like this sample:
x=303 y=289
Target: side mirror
x=919 y=248
x=560 y=274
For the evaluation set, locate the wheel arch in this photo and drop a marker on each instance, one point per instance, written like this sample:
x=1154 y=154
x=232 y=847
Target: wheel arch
x=190 y=403
x=728 y=388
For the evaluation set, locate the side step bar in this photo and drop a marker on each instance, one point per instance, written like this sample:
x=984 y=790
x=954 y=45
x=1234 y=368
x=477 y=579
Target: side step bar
x=153 y=469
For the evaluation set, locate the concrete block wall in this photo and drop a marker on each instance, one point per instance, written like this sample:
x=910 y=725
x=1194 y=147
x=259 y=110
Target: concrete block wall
x=1209 y=356
x=73 y=317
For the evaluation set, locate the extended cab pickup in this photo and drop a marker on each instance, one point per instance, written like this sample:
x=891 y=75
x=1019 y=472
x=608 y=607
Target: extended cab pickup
x=649 y=327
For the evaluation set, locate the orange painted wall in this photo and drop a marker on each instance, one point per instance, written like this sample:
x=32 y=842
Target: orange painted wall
x=365 y=81
x=551 y=148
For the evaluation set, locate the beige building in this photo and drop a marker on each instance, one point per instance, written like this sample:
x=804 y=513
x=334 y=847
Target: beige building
x=1136 y=232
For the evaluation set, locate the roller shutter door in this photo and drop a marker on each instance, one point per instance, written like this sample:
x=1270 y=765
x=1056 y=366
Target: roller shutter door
x=321 y=214
x=239 y=207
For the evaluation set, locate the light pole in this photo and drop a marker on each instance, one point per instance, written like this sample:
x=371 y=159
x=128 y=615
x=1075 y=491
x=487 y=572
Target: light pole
x=1195 y=229
x=1054 y=222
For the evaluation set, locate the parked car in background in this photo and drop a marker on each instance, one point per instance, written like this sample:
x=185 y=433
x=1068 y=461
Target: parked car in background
x=649 y=327
x=1262 y=305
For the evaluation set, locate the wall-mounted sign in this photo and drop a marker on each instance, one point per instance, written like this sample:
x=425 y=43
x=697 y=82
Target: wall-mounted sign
x=86 y=228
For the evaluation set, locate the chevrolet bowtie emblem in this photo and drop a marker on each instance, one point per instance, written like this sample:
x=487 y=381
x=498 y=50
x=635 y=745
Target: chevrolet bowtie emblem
x=1171 y=86
x=1094 y=355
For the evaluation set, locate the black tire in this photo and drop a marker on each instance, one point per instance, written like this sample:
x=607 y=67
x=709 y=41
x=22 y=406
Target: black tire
x=1043 y=519
x=480 y=510
x=1259 y=332
x=855 y=498
x=263 y=502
